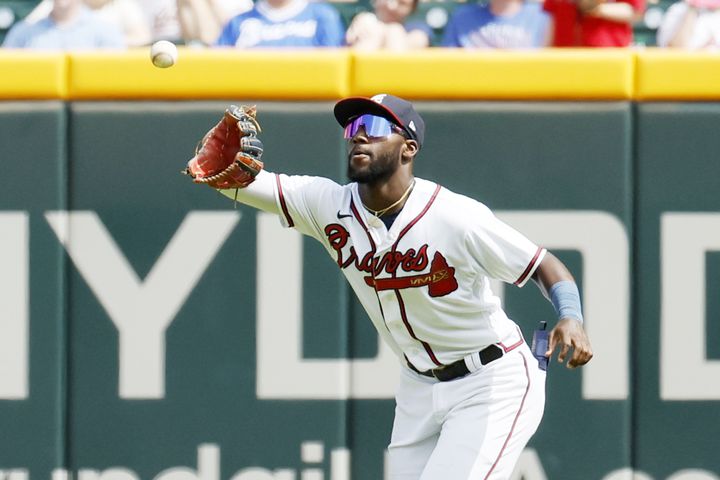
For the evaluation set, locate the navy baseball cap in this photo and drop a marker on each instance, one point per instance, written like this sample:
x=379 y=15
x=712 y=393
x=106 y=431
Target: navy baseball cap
x=395 y=109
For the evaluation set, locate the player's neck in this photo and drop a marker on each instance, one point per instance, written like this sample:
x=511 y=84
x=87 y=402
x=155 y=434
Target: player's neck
x=392 y=193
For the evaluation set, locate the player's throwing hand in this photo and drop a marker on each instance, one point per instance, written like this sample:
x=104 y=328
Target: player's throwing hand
x=567 y=334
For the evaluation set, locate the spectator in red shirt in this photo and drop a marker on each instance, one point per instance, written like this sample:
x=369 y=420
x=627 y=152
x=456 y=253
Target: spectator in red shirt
x=594 y=23
x=608 y=23
x=565 y=14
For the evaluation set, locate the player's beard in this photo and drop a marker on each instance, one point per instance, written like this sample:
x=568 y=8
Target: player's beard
x=381 y=168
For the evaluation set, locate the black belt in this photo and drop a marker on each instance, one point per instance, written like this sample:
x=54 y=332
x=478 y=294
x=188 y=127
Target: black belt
x=458 y=368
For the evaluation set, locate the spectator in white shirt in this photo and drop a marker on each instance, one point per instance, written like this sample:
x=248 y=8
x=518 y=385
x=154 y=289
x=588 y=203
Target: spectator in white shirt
x=691 y=24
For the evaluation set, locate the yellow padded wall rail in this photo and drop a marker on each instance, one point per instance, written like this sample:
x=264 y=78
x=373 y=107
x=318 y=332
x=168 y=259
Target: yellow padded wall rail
x=28 y=75
x=212 y=73
x=492 y=74
x=443 y=74
x=677 y=75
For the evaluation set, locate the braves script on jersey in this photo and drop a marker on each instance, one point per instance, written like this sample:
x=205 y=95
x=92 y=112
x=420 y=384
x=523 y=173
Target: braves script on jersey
x=424 y=282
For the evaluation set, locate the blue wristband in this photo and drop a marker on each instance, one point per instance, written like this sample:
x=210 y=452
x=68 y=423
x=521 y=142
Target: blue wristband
x=565 y=298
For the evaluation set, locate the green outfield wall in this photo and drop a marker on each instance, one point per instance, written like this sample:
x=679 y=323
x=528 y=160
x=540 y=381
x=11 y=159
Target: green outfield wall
x=150 y=329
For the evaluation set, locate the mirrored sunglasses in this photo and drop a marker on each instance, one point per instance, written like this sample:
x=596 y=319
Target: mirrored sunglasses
x=376 y=127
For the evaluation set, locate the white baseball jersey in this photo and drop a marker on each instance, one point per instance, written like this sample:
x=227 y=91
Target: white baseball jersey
x=425 y=281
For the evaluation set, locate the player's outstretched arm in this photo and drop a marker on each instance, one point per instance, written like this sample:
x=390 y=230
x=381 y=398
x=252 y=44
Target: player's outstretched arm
x=260 y=194
x=559 y=286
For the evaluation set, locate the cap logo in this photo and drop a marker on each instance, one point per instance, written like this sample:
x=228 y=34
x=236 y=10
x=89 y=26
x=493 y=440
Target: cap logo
x=379 y=98
x=412 y=125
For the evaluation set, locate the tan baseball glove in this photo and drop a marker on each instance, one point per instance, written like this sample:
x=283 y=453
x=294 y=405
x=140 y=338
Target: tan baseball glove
x=229 y=154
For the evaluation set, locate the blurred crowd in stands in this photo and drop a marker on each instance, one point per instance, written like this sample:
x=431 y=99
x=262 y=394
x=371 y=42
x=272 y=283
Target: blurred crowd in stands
x=385 y=24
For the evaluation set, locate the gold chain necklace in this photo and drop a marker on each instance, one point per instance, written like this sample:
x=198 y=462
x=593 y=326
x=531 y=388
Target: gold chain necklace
x=380 y=213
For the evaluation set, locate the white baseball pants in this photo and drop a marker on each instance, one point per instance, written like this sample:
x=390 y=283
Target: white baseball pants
x=472 y=428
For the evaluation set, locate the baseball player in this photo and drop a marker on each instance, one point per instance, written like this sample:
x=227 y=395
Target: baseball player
x=420 y=259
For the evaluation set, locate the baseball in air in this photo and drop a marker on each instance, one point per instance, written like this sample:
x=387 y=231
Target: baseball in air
x=164 y=54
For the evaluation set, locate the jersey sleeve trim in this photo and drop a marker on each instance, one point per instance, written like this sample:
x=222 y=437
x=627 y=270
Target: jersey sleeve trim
x=283 y=205
x=532 y=266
